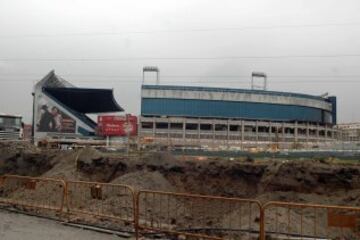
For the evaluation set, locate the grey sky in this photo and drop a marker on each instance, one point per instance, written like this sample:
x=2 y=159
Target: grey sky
x=117 y=38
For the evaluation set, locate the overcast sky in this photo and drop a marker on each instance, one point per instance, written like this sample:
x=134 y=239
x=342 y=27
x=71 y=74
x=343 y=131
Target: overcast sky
x=307 y=46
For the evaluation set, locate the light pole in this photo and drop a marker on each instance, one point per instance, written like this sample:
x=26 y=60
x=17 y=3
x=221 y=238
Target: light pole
x=151 y=69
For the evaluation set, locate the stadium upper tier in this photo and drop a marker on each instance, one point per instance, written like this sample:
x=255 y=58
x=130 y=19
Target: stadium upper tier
x=226 y=103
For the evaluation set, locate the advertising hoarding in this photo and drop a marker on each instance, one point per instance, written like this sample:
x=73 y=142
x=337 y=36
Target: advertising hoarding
x=51 y=119
x=117 y=125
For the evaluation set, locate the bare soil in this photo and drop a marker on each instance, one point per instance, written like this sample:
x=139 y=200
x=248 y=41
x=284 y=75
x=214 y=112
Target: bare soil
x=302 y=181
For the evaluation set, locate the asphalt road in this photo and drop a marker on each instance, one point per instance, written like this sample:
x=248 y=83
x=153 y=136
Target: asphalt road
x=14 y=226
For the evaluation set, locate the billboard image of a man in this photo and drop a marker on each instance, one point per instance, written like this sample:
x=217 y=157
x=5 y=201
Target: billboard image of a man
x=47 y=121
x=51 y=119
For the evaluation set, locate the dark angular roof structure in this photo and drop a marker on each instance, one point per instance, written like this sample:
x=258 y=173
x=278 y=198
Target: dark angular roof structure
x=78 y=101
x=85 y=100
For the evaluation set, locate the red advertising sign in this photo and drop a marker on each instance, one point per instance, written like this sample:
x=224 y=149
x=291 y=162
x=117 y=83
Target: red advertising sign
x=117 y=125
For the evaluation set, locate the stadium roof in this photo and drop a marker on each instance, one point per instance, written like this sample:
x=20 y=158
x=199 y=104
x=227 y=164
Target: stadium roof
x=85 y=100
x=235 y=90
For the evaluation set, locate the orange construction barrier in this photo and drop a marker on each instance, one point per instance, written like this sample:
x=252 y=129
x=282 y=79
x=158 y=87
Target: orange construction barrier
x=105 y=200
x=310 y=221
x=199 y=216
x=32 y=192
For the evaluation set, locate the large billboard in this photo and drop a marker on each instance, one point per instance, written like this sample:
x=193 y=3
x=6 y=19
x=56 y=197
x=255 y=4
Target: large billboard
x=51 y=119
x=117 y=125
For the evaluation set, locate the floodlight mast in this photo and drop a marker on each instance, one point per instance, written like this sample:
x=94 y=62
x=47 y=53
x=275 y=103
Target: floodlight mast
x=258 y=75
x=152 y=69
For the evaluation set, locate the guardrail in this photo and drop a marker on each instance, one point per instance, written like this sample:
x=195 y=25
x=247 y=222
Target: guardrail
x=32 y=192
x=181 y=214
x=198 y=216
x=112 y=201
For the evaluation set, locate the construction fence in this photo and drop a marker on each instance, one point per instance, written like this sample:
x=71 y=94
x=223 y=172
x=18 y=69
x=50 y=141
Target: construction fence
x=180 y=215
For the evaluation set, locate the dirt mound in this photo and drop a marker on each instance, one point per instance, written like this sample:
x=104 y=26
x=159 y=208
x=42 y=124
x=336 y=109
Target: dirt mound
x=22 y=158
x=146 y=180
x=163 y=158
x=87 y=155
x=65 y=167
x=313 y=177
x=16 y=146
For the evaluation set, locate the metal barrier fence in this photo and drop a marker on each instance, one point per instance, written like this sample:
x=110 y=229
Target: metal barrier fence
x=106 y=200
x=310 y=221
x=194 y=216
x=32 y=192
x=198 y=216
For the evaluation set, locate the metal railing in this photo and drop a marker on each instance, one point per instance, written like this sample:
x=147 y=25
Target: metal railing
x=106 y=200
x=198 y=216
x=32 y=192
x=182 y=214
x=310 y=221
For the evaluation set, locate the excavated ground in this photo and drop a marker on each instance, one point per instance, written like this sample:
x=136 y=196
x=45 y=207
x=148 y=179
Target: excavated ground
x=318 y=181
x=321 y=181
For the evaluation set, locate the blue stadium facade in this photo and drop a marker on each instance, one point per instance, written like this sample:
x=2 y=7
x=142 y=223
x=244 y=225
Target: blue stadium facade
x=222 y=103
x=234 y=117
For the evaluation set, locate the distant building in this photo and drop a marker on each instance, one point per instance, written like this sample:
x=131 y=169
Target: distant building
x=350 y=131
x=10 y=126
x=60 y=109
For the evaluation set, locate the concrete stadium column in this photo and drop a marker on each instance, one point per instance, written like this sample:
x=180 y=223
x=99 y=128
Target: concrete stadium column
x=307 y=132
x=242 y=134
x=317 y=132
x=270 y=131
x=257 y=131
x=184 y=130
x=213 y=130
x=154 y=126
x=326 y=132
x=199 y=128
x=168 y=131
x=228 y=133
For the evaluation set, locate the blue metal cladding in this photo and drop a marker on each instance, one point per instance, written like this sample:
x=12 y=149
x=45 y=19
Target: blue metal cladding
x=227 y=109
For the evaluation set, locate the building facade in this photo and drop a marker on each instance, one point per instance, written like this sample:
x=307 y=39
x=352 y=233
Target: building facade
x=349 y=131
x=221 y=116
x=10 y=127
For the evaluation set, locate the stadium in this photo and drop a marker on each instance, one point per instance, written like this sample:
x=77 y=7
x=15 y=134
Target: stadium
x=224 y=116
x=60 y=110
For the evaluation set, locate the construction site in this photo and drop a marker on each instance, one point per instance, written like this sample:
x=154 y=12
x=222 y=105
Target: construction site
x=155 y=193
x=251 y=132
x=199 y=162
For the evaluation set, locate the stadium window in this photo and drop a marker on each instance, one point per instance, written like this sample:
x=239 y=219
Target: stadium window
x=192 y=126
x=234 y=128
x=220 y=127
x=176 y=126
x=162 y=125
x=147 y=125
x=206 y=127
